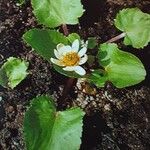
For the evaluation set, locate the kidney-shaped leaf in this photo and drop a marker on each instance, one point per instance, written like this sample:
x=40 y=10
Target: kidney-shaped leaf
x=123 y=69
x=48 y=129
x=136 y=25
x=54 y=13
x=44 y=41
x=13 y=72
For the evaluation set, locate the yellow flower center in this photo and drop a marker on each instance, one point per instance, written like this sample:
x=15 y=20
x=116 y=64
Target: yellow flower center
x=70 y=59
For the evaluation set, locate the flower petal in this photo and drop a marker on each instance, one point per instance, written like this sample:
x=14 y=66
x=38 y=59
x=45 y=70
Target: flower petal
x=80 y=70
x=65 y=49
x=75 y=45
x=57 y=62
x=57 y=54
x=83 y=59
x=59 y=46
x=82 y=51
x=68 y=68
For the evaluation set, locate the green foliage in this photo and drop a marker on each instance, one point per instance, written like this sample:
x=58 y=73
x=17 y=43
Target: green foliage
x=54 y=13
x=13 y=72
x=98 y=77
x=119 y=67
x=48 y=129
x=20 y=2
x=136 y=25
x=123 y=69
x=92 y=42
x=73 y=36
x=44 y=41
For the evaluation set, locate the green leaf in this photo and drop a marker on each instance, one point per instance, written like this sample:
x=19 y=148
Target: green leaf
x=123 y=69
x=48 y=129
x=54 y=13
x=136 y=25
x=13 y=72
x=92 y=42
x=20 y=2
x=91 y=60
x=98 y=77
x=44 y=41
x=73 y=36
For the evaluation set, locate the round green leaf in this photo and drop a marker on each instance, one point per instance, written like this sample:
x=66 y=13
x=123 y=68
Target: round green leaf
x=54 y=13
x=48 y=129
x=136 y=25
x=44 y=41
x=123 y=69
x=13 y=72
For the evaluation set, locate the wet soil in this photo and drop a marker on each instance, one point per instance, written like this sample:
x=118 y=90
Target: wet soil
x=116 y=119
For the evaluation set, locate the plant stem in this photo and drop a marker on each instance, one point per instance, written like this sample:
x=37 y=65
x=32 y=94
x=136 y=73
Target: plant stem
x=70 y=82
x=68 y=87
x=116 y=38
x=65 y=29
x=62 y=103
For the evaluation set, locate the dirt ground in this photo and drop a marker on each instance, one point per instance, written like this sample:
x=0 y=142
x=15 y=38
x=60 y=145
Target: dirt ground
x=116 y=119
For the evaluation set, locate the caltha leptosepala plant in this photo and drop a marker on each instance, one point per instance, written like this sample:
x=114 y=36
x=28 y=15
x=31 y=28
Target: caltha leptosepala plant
x=69 y=55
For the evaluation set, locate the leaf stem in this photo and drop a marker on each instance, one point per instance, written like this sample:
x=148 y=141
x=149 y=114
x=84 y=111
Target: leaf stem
x=65 y=29
x=116 y=38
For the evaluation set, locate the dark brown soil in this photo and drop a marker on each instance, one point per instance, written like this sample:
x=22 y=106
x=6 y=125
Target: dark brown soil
x=117 y=119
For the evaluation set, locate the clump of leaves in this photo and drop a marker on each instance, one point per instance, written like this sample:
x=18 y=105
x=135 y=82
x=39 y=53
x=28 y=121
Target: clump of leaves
x=44 y=126
x=13 y=71
x=123 y=69
x=44 y=41
x=48 y=129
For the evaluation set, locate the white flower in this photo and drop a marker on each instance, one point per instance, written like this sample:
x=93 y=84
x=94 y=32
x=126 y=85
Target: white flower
x=70 y=57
